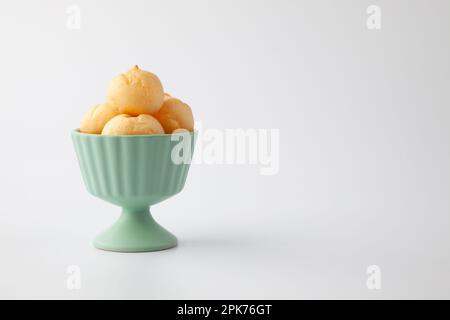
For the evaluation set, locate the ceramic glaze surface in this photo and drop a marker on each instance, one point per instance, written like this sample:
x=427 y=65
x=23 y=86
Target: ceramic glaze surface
x=133 y=172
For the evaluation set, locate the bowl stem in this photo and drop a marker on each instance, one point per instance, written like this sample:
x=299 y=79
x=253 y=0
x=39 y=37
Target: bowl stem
x=135 y=231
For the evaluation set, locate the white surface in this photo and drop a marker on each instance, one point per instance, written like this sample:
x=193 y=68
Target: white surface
x=364 y=148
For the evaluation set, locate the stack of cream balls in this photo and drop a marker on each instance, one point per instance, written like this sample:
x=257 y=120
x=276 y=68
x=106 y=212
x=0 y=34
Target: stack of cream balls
x=137 y=105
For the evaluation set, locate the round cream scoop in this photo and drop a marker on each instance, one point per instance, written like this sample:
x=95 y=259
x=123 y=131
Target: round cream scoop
x=136 y=92
x=124 y=124
x=175 y=114
x=95 y=118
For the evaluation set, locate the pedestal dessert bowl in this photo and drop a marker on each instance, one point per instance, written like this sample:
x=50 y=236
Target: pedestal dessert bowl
x=134 y=172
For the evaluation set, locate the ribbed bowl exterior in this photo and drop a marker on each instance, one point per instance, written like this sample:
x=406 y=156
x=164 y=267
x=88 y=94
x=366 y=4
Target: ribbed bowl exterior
x=130 y=171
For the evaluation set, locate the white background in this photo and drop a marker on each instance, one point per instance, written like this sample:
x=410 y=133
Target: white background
x=364 y=148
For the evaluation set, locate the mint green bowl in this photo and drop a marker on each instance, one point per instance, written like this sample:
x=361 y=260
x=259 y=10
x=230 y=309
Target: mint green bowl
x=133 y=172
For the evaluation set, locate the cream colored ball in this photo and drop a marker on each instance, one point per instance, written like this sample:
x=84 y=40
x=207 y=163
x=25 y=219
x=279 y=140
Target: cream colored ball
x=95 y=119
x=175 y=114
x=136 y=92
x=124 y=124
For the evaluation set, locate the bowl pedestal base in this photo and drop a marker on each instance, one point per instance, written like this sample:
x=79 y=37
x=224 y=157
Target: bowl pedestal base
x=135 y=231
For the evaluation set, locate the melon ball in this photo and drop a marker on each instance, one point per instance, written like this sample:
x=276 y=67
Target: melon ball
x=175 y=114
x=95 y=119
x=124 y=124
x=136 y=92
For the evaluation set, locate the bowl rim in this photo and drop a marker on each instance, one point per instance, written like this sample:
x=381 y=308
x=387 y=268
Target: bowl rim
x=79 y=133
